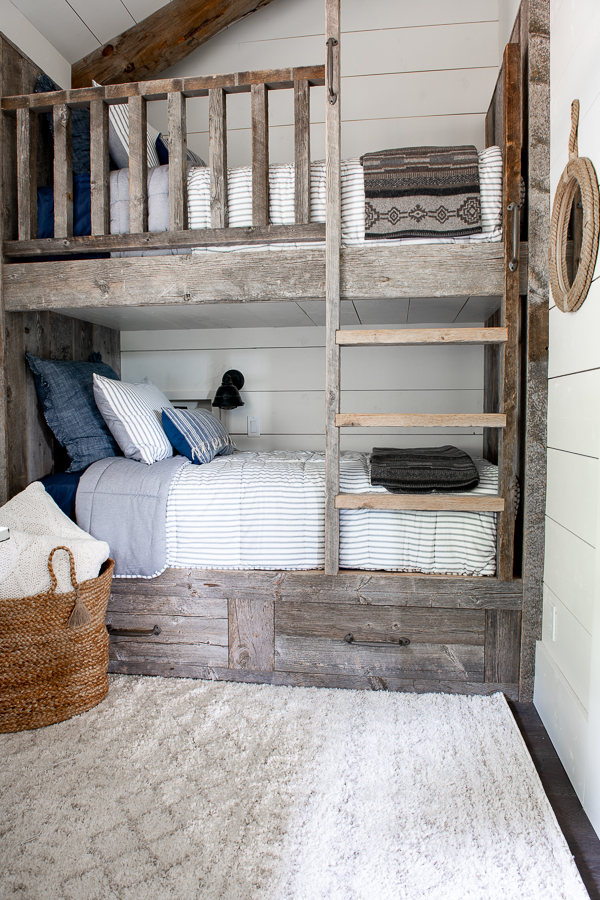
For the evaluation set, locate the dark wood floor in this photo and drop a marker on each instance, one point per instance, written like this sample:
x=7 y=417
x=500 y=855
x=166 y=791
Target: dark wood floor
x=581 y=837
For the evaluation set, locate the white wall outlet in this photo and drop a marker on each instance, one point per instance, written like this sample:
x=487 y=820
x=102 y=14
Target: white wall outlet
x=253 y=426
x=554 y=622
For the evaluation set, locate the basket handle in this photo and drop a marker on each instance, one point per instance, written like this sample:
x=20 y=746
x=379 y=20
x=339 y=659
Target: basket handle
x=79 y=615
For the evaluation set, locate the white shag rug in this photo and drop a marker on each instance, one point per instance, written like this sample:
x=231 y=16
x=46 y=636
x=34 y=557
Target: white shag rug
x=189 y=789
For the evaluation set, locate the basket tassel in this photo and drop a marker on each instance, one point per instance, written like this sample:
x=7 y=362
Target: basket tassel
x=80 y=615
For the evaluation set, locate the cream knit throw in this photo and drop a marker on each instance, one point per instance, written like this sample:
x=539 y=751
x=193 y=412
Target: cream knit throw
x=37 y=525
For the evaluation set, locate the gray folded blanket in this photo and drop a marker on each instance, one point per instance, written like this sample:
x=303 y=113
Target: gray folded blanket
x=422 y=192
x=424 y=470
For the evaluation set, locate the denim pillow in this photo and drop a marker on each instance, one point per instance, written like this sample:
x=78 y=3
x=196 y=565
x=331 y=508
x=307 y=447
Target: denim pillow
x=82 y=208
x=65 y=390
x=197 y=434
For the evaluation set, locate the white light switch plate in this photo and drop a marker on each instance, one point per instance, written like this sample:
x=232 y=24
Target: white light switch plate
x=253 y=426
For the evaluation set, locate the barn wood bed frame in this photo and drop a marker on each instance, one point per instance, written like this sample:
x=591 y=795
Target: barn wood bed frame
x=467 y=634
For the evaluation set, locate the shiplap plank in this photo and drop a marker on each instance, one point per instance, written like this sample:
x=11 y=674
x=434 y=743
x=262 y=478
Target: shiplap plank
x=573 y=584
x=570 y=646
x=571 y=493
x=574 y=414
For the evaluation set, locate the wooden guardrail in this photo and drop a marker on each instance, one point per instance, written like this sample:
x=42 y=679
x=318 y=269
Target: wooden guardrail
x=136 y=96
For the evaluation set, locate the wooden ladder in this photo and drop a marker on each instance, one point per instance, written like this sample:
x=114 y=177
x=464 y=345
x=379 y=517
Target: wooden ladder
x=505 y=337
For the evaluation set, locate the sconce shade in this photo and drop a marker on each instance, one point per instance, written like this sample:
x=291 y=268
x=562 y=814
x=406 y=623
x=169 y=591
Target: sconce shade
x=228 y=394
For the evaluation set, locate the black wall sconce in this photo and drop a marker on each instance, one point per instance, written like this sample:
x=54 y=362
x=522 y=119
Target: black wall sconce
x=228 y=393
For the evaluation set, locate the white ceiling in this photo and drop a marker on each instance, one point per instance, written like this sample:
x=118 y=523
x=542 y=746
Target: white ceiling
x=76 y=27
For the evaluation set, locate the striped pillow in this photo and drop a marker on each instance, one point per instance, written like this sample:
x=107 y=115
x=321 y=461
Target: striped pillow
x=197 y=434
x=118 y=136
x=132 y=413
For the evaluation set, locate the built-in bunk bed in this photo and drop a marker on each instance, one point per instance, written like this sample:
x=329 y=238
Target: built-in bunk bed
x=346 y=628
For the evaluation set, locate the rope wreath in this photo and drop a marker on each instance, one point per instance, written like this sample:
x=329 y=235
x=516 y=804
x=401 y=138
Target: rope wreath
x=578 y=176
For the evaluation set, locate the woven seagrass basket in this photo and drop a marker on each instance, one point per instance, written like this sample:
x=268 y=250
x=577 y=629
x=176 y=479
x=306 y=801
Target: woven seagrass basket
x=54 y=651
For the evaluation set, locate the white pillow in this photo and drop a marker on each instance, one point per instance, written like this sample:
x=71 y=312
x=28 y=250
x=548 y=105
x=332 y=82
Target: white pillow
x=132 y=413
x=118 y=136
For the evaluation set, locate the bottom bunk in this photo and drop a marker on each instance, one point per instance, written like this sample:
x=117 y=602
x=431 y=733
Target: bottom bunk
x=354 y=630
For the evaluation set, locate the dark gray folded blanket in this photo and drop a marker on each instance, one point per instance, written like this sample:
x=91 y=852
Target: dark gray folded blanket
x=423 y=470
x=422 y=192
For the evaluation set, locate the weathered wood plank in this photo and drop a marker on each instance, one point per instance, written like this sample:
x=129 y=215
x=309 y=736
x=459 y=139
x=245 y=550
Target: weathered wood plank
x=167 y=668
x=367 y=274
x=173 y=629
x=502 y=645
x=421 y=420
x=260 y=155
x=333 y=218
x=251 y=634
x=509 y=357
x=455 y=662
x=161 y=40
x=533 y=497
x=162 y=240
x=217 y=158
x=491 y=391
x=63 y=173
x=394 y=589
x=159 y=89
x=107 y=341
x=466 y=503
x=122 y=652
x=99 y=168
x=134 y=603
x=26 y=174
x=302 y=151
x=380 y=623
x=138 y=166
x=399 y=337
x=177 y=162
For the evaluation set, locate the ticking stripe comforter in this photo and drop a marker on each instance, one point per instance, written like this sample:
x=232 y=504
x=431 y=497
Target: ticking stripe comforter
x=266 y=511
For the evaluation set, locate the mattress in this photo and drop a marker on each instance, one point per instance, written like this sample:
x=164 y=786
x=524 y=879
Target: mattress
x=266 y=511
x=281 y=203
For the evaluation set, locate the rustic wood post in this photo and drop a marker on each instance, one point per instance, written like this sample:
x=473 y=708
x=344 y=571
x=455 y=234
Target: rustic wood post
x=332 y=285
x=260 y=154
x=63 y=172
x=217 y=157
x=138 y=166
x=302 y=150
x=509 y=360
x=99 y=167
x=177 y=161
x=27 y=173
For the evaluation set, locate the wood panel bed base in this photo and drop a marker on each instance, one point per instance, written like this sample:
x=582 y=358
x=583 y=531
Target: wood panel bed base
x=293 y=628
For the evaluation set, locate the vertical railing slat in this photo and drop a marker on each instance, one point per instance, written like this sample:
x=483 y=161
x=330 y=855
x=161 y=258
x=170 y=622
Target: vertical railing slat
x=260 y=155
x=217 y=157
x=302 y=150
x=26 y=174
x=138 y=166
x=99 y=167
x=177 y=161
x=63 y=172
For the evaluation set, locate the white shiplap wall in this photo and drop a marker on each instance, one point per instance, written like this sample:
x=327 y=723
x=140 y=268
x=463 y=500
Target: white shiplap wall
x=284 y=370
x=412 y=73
x=34 y=43
x=567 y=688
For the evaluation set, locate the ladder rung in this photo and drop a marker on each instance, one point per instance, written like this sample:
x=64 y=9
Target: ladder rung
x=398 y=337
x=465 y=503
x=422 y=420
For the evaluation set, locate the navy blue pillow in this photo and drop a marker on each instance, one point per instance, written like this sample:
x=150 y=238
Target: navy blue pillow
x=80 y=128
x=197 y=434
x=82 y=208
x=66 y=392
x=162 y=151
x=62 y=487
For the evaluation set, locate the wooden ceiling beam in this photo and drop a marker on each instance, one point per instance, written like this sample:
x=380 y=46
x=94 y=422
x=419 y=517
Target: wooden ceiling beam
x=158 y=42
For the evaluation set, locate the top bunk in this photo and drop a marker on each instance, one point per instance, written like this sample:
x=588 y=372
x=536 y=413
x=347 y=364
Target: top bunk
x=163 y=236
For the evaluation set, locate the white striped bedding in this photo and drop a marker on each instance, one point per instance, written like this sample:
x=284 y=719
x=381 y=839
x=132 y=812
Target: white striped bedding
x=266 y=511
x=281 y=203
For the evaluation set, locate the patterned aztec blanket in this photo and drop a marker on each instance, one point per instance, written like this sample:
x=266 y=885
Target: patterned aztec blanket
x=422 y=191
x=423 y=471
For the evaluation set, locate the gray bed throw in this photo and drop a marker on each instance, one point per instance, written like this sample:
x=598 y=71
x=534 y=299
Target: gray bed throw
x=422 y=192
x=422 y=471
x=124 y=503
